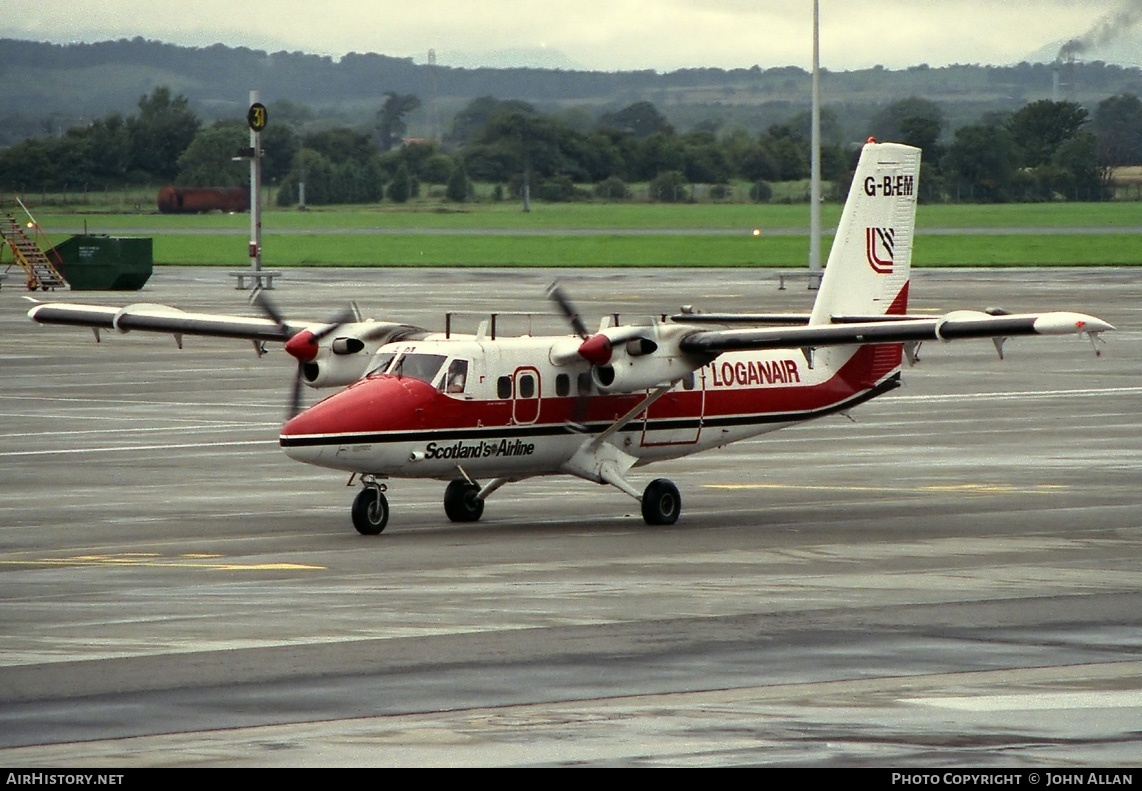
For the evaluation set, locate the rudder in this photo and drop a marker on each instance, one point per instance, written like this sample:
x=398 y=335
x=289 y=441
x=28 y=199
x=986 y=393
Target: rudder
x=868 y=268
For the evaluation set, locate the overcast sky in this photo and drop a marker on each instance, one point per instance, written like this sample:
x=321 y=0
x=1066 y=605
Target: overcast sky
x=593 y=34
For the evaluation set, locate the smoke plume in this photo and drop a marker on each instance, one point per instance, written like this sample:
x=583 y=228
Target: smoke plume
x=1105 y=30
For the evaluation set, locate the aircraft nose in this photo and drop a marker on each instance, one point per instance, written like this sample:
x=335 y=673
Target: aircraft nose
x=331 y=415
x=370 y=406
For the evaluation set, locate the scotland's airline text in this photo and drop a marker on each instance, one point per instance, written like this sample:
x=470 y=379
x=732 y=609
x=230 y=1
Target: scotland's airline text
x=479 y=450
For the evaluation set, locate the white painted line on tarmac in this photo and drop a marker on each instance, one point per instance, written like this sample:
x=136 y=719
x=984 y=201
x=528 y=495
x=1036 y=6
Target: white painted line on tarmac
x=1059 y=701
x=1021 y=395
x=134 y=448
x=92 y=401
x=148 y=430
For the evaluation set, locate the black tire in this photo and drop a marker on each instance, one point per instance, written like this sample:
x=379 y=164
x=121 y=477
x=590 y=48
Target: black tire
x=661 y=503
x=370 y=512
x=461 y=503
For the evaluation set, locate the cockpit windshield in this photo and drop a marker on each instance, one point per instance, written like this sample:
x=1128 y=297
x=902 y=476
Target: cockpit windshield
x=380 y=364
x=424 y=367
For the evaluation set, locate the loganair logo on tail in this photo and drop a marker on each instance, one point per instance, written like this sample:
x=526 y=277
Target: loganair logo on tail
x=878 y=247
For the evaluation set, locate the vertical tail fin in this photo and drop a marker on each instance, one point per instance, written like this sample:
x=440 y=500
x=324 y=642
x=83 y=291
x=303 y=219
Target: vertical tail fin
x=868 y=269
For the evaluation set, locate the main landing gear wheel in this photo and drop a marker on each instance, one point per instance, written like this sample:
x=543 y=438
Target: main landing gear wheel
x=370 y=511
x=661 y=503
x=461 y=503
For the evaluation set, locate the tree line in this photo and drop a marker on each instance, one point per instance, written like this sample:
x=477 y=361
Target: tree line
x=1045 y=150
x=49 y=87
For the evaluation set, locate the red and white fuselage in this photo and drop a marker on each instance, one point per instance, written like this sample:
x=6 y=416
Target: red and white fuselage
x=518 y=415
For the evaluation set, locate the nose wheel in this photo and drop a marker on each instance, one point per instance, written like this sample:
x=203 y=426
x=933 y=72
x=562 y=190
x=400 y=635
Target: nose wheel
x=370 y=511
x=461 y=501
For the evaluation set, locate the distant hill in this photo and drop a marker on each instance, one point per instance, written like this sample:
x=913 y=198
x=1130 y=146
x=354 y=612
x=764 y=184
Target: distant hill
x=50 y=87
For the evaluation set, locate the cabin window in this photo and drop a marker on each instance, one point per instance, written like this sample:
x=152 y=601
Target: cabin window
x=527 y=386
x=424 y=367
x=504 y=387
x=563 y=385
x=688 y=381
x=456 y=378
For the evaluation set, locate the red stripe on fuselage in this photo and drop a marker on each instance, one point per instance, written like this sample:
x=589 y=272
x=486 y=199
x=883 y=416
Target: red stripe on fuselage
x=384 y=404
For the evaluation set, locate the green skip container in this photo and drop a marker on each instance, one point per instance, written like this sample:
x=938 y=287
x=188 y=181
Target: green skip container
x=105 y=263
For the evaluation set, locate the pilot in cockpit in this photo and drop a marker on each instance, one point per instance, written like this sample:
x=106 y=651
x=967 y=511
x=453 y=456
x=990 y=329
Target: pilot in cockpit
x=456 y=377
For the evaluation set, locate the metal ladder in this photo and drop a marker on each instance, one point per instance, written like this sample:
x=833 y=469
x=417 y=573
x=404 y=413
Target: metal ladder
x=42 y=274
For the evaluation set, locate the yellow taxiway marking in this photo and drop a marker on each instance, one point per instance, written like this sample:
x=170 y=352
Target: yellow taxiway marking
x=152 y=560
x=968 y=488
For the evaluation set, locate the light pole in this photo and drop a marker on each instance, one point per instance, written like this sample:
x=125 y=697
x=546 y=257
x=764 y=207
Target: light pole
x=256 y=118
x=815 y=151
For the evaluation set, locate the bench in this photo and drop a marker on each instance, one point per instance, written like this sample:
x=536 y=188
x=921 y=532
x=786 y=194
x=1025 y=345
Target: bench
x=813 y=277
x=263 y=278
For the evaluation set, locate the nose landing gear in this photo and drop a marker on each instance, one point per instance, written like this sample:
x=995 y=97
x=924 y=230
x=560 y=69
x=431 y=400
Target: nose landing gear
x=461 y=501
x=370 y=508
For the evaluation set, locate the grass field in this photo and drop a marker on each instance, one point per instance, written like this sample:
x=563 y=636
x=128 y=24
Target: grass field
x=574 y=216
x=613 y=250
x=490 y=234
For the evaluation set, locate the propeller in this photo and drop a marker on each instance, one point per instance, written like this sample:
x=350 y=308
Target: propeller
x=303 y=346
x=595 y=349
x=556 y=294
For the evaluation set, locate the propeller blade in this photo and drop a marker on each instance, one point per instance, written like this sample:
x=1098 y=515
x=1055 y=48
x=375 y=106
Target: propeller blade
x=578 y=421
x=272 y=313
x=341 y=319
x=294 y=406
x=555 y=293
x=263 y=302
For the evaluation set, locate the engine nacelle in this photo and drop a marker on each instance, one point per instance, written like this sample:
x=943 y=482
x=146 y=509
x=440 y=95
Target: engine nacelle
x=335 y=370
x=645 y=362
x=347 y=354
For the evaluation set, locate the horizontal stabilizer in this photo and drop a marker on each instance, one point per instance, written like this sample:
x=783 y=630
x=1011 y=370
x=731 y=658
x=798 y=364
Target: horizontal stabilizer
x=791 y=319
x=741 y=318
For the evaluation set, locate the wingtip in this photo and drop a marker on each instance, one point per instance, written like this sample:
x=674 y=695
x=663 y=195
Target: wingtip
x=1064 y=323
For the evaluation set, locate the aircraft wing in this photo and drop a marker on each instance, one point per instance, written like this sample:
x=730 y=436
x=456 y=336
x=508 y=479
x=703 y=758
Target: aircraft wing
x=952 y=326
x=162 y=318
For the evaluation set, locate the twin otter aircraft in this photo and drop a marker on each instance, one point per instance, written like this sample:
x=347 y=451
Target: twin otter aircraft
x=481 y=411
